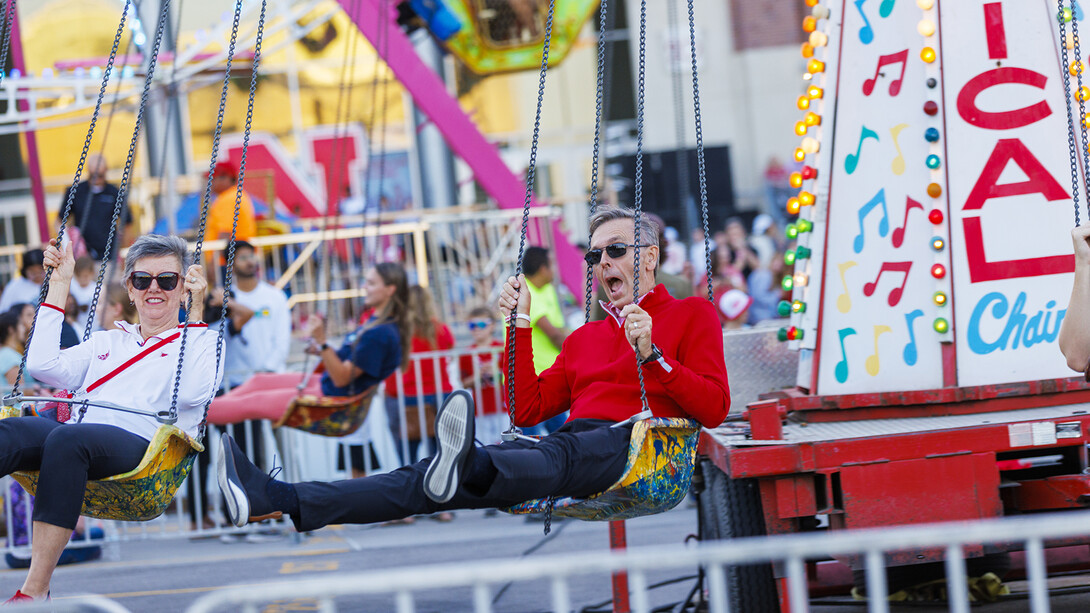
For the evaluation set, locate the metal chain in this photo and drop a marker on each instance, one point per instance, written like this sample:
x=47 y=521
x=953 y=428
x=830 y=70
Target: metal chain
x=238 y=206
x=1071 y=146
x=8 y=25
x=638 y=198
x=513 y=432
x=603 y=11
x=197 y=251
x=1082 y=100
x=700 y=168
x=72 y=194
x=383 y=42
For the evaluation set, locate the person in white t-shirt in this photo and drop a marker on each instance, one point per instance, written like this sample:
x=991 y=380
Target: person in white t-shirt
x=130 y=365
x=262 y=343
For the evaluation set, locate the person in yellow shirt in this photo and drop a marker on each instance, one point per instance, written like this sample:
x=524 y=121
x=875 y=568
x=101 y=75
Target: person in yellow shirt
x=221 y=212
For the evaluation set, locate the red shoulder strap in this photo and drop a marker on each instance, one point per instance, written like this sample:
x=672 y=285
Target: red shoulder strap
x=134 y=359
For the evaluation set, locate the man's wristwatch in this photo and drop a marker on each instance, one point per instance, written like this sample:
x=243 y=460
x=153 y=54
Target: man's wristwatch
x=323 y=347
x=655 y=355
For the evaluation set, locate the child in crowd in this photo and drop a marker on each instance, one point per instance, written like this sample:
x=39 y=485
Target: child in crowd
x=481 y=375
x=83 y=289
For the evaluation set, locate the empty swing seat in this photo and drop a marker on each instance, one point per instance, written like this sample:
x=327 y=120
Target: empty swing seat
x=144 y=492
x=661 y=455
x=328 y=415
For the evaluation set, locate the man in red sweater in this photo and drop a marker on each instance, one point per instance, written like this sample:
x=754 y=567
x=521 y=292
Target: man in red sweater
x=679 y=348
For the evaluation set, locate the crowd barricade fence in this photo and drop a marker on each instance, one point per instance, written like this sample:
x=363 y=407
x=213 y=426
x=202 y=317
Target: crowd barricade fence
x=787 y=552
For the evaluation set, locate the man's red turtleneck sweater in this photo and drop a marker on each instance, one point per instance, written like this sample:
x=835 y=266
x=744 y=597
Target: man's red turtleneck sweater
x=595 y=375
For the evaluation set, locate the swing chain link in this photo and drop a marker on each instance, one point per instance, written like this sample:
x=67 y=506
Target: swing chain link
x=638 y=198
x=1080 y=97
x=72 y=193
x=513 y=432
x=231 y=246
x=1071 y=146
x=603 y=11
x=701 y=169
x=198 y=250
x=8 y=25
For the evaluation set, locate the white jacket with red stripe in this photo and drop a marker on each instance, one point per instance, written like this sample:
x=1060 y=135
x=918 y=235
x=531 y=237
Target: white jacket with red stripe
x=146 y=383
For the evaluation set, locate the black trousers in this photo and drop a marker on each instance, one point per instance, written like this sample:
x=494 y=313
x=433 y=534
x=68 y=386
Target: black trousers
x=582 y=458
x=67 y=455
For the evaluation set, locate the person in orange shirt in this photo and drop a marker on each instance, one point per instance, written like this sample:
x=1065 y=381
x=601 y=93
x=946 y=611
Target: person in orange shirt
x=221 y=212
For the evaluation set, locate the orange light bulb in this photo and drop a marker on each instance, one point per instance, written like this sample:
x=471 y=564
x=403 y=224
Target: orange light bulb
x=803 y=103
x=809 y=24
x=807 y=50
x=815 y=92
x=815 y=66
x=1082 y=95
x=812 y=119
x=806 y=199
x=792 y=206
x=800 y=155
x=812 y=3
x=795 y=180
x=800 y=128
x=927 y=54
x=1075 y=68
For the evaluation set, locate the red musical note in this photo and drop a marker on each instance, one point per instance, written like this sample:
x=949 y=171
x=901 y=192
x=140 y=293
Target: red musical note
x=895 y=293
x=899 y=233
x=901 y=57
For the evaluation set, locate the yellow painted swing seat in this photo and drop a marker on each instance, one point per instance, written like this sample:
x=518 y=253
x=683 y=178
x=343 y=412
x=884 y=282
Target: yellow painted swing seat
x=661 y=455
x=144 y=492
x=328 y=415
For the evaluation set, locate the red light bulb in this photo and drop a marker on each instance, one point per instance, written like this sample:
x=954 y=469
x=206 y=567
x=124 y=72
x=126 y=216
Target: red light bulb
x=938 y=271
x=935 y=216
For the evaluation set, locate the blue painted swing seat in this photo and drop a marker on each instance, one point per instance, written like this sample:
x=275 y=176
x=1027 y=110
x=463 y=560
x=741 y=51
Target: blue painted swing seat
x=661 y=455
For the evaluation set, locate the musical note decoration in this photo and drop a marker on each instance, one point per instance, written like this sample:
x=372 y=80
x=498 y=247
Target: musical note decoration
x=873 y=364
x=897 y=167
x=851 y=161
x=866 y=33
x=898 y=237
x=844 y=300
x=890 y=59
x=910 y=352
x=894 y=294
x=841 y=370
x=879 y=199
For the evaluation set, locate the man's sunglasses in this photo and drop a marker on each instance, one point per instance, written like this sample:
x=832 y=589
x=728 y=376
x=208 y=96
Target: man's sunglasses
x=478 y=325
x=142 y=280
x=614 y=251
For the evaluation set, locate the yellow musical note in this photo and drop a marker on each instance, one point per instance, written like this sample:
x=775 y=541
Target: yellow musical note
x=898 y=165
x=873 y=364
x=844 y=301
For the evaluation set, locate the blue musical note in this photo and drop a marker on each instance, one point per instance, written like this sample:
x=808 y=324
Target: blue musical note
x=866 y=33
x=841 y=369
x=851 y=161
x=886 y=8
x=883 y=224
x=910 y=354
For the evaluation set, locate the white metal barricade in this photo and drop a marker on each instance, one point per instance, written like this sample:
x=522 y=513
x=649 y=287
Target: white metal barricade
x=791 y=550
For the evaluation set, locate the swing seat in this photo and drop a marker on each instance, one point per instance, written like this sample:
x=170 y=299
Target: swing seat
x=328 y=415
x=144 y=492
x=661 y=455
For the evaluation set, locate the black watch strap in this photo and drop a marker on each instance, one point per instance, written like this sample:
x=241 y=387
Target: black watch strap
x=655 y=355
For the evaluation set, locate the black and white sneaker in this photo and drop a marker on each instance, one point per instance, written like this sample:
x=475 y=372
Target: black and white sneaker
x=242 y=484
x=454 y=435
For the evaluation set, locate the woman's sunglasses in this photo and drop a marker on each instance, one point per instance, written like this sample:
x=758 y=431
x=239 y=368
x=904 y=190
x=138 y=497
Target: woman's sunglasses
x=614 y=251
x=478 y=325
x=142 y=280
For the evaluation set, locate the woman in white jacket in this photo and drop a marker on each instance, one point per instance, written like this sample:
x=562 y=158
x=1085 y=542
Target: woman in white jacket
x=131 y=365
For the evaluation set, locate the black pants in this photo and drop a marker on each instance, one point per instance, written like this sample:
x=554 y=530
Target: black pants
x=67 y=456
x=582 y=458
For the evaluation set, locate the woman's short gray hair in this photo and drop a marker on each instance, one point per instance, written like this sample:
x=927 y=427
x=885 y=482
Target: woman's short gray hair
x=156 y=245
x=649 y=232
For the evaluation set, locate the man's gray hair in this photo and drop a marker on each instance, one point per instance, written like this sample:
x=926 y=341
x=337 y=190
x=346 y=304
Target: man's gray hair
x=649 y=231
x=156 y=245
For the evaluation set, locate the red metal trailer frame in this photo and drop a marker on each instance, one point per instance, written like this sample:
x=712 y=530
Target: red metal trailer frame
x=896 y=458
